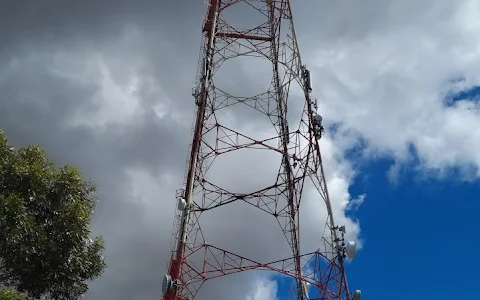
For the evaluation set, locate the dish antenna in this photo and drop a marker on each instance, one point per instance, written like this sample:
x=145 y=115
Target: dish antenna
x=167 y=284
x=351 y=250
x=357 y=295
x=181 y=204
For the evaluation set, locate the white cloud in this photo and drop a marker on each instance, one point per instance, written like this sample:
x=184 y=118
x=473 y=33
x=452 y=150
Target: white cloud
x=264 y=289
x=244 y=230
x=123 y=82
x=339 y=175
x=257 y=235
x=388 y=86
x=356 y=202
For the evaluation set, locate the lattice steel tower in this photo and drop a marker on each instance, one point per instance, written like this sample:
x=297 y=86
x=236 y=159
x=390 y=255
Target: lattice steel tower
x=316 y=275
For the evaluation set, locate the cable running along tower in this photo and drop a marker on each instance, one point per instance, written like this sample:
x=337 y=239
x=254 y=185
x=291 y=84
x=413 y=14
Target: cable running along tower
x=316 y=275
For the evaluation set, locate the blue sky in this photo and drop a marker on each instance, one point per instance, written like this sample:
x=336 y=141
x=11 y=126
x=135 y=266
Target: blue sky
x=420 y=233
x=420 y=237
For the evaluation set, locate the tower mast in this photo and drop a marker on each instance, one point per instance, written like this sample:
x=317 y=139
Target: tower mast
x=274 y=39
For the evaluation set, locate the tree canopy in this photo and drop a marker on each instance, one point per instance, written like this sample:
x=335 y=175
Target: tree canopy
x=7 y=294
x=45 y=214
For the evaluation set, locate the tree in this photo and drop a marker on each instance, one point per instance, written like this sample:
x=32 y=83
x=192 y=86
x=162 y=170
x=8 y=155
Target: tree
x=7 y=294
x=45 y=214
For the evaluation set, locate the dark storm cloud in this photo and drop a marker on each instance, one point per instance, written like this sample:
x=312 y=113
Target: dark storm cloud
x=32 y=99
x=37 y=106
x=55 y=20
x=170 y=29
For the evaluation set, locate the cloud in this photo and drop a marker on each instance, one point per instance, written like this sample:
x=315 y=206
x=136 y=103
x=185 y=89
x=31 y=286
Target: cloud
x=50 y=102
x=355 y=203
x=107 y=87
x=396 y=78
x=264 y=290
x=110 y=113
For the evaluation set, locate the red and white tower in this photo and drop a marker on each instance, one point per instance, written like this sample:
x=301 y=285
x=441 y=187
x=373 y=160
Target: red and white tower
x=316 y=275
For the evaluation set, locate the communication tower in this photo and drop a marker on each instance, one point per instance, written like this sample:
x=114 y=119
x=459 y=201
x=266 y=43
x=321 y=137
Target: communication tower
x=316 y=275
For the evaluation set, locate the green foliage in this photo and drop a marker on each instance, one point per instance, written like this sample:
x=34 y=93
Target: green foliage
x=45 y=215
x=7 y=294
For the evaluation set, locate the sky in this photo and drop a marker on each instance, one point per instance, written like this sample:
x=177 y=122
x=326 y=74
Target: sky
x=105 y=85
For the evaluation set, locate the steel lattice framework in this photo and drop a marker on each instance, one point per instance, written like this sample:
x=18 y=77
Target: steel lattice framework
x=194 y=261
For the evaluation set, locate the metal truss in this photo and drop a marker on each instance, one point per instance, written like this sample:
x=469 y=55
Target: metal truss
x=193 y=260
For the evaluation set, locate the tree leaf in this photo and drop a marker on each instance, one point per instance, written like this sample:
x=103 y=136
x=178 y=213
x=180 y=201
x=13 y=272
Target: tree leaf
x=45 y=214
